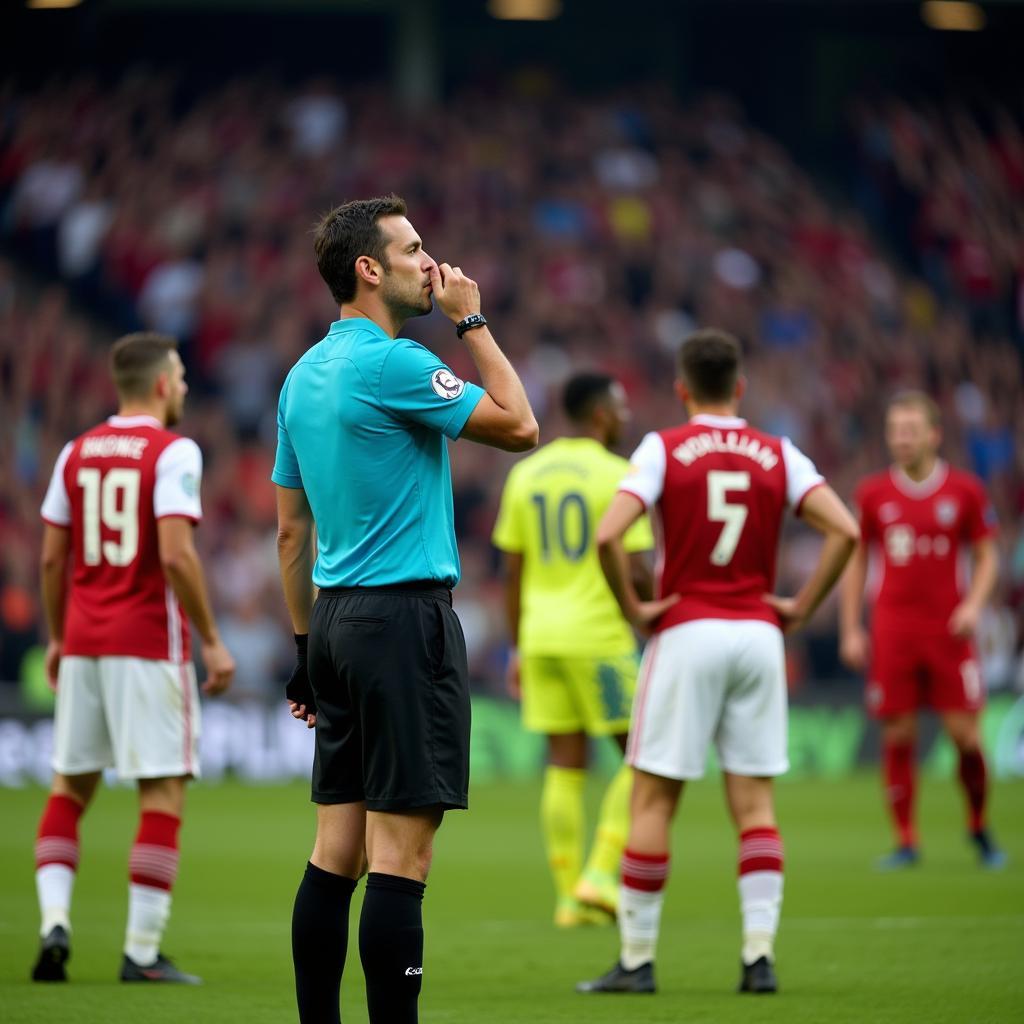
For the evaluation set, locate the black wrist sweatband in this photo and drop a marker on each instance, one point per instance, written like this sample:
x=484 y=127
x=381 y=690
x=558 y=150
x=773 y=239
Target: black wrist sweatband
x=469 y=322
x=301 y=645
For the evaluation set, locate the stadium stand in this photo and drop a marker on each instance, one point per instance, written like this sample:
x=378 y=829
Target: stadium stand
x=600 y=231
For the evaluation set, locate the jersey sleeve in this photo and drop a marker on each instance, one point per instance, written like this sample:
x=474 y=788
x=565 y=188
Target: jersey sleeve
x=801 y=475
x=509 y=533
x=56 y=508
x=416 y=385
x=286 y=465
x=645 y=477
x=179 y=472
x=980 y=521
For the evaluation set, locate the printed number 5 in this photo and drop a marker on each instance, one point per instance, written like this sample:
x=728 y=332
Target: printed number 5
x=732 y=516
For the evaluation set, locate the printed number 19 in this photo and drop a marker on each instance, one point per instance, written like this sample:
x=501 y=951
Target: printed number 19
x=113 y=500
x=730 y=514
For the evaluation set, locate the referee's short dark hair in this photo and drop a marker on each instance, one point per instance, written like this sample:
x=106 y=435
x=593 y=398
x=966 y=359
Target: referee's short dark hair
x=348 y=232
x=137 y=359
x=583 y=392
x=709 y=364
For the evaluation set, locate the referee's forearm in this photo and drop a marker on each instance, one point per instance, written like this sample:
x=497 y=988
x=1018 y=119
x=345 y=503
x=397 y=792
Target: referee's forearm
x=295 y=558
x=497 y=374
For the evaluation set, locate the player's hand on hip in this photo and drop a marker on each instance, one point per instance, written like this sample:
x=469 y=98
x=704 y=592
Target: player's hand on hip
x=854 y=648
x=791 y=614
x=220 y=667
x=647 y=613
x=54 y=652
x=457 y=296
x=964 y=620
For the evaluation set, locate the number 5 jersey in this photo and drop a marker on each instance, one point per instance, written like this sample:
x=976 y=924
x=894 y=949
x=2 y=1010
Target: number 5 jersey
x=716 y=490
x=109 y=487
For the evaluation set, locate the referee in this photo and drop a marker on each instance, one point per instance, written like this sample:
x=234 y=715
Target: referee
x=362 y=456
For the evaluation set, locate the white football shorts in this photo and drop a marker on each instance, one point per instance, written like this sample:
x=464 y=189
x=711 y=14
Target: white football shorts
x=137 y=715
x=711 y=680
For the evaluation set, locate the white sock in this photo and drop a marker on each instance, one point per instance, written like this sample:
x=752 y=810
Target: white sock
x=54 y=883
x=148 y=910
x=760 y=904
x=639 y=922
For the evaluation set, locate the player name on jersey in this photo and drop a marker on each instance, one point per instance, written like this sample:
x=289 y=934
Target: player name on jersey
x=733 y=443
x=113 y=446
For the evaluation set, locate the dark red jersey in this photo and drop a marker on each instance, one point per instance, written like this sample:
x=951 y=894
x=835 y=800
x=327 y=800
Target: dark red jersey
x=922 y=533
x=717 y=489
x=109 y=488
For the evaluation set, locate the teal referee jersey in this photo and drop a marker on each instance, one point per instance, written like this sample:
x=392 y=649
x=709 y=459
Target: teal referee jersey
x=362 y=424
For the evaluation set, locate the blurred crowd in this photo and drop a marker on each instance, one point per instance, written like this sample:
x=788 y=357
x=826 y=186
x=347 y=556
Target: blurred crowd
x=600 y=230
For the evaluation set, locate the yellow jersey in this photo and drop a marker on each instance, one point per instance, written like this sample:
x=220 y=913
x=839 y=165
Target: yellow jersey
x=550 y=508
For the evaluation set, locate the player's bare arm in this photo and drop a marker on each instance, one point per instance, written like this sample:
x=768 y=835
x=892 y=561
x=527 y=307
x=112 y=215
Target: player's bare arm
x=53 y=572
x=823 y=510
x=854 y=643
x=512 y=579
x=622 y=513
x=295 y=559
x=183 y=570
x=503 y=417
x=642 y=575
x=964 y=620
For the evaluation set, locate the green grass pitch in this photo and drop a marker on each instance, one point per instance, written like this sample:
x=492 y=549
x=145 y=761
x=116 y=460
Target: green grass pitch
x=942 y=943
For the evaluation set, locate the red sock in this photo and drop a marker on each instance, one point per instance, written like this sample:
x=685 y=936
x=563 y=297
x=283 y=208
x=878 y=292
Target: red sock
x=974 y=778
x=900 y=779
x=760 y=850
x=57 y=840
x=154 y=857
x=647 y=872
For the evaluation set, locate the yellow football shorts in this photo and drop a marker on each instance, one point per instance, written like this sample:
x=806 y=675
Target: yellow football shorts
x=573 y=694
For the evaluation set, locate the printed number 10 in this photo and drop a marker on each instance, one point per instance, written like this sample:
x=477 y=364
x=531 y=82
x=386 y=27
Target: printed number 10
x=572 y=551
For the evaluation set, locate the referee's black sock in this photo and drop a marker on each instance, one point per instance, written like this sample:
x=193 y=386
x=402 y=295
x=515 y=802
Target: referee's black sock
x=320 y=942
x=391 y=947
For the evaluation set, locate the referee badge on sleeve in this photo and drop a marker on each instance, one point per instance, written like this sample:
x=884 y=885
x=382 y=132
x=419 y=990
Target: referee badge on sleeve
x=446 y=384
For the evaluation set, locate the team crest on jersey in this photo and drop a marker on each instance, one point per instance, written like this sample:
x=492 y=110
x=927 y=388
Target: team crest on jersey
x=889 y=512
x=945 y=511
x=446 y=384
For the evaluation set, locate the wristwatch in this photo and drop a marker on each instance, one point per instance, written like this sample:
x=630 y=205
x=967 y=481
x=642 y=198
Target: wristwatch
x=469 y=322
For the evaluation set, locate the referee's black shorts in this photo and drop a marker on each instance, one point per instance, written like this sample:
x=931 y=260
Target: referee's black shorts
x=388 y=667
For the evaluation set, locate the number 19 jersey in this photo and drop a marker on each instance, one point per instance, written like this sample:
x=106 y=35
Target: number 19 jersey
x=716 y=489
x=550 y=508
x=109 y=487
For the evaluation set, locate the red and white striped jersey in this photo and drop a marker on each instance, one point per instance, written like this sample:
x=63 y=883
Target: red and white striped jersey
x=109 y=488
x=716 y=490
